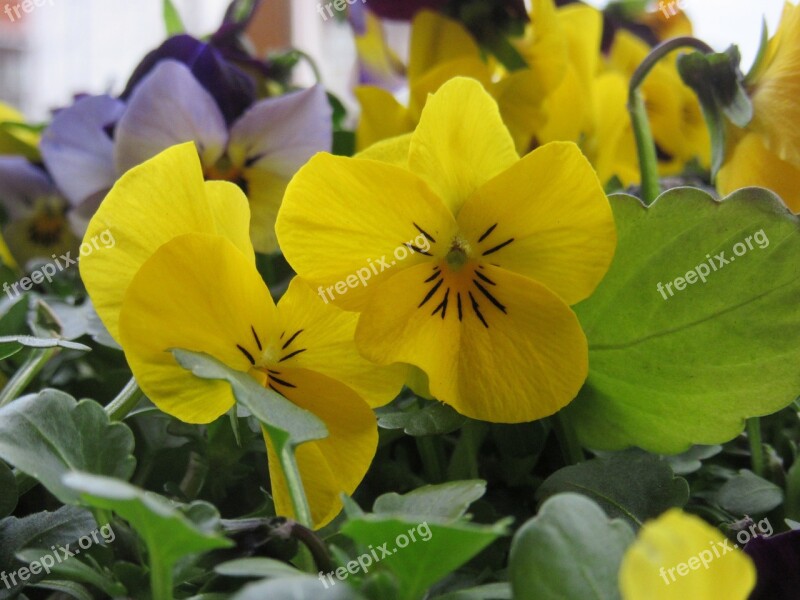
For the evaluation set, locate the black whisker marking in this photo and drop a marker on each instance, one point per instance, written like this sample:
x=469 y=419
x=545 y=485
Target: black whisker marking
x=295 y=353
x=443 y=305
x=432 y=277
x=487 y=233
x=291 y=339
x=498 y=247
x=485 y=278
x=282 y=382
x=425 y=233
x=431 y=293
x=491 y=298
x=458 y=298
x=274 y=389
x=273 y=372
x=476 y=307
x=255 y=335
x=417 y=250
x=247 y=354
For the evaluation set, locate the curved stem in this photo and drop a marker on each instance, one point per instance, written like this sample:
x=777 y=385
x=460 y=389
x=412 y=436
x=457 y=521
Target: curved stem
x=29 y=369
x=645 y=146
x=125 y=401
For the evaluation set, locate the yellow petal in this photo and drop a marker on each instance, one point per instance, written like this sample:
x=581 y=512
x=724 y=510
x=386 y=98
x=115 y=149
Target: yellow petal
x=545 y=45
x=520 y=97
x=777 y=89
x=749 y=163
x=328 y=346
x=344 y=224
x=336 y=464
x=197 y=292
x=553 y=206
x=567 y=110
x=505 y=367
x=461 y=142
x=151 y=204
x=679 y=557
x=436 y=39
x=393 y=151
x=468 y=66
x=265 y=191
x=382 y=117
x=583 y=28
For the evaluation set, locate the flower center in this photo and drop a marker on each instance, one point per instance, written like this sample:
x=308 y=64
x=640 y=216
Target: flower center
x=458 y=255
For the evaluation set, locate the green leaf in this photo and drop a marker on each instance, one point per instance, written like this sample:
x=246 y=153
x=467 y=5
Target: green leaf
x=77 y=571
x=172 y=19
x=633 y=485
x=49 y=434
x=40 y=530
x=301 y=587
x=571 y=549
x=419 y=553
x=68 y=588
x=691 y=460
x=286 y=424
x=490 y=591
x=8 y=490
x=10 y=345
x=749 y=494
x=792 y=506
x=444 y=502
x=164 y=527
x=671 y=371
x=434 y=418
x=256 y=567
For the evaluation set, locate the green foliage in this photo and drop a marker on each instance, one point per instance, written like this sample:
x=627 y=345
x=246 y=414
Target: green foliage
x=689 y=369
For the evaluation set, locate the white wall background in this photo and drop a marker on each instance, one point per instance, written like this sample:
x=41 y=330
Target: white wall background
x=93 y=45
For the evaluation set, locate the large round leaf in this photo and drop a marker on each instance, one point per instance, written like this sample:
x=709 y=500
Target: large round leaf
x=686 y=363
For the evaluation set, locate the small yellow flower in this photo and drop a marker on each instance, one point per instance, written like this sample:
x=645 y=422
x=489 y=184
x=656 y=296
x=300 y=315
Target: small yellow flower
x=440 y=50
x=484 y=311
x=680 y=557
x=767 y=153
x=182 y=275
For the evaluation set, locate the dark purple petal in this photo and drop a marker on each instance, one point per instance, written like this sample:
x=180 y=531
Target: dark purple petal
x=21 y=183
x=77 y=149
x=777 y=561
x=232 y=89
x=282 y=134
x=169 y=107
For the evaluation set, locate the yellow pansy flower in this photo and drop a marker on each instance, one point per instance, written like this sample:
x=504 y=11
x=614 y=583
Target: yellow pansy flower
x=767 y=153
x=188 y=279
x=441 y=49
x=481 y=303
x=679 y=557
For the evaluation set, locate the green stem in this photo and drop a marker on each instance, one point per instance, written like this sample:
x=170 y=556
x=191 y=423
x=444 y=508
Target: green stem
x=125 y=401
x=756 y=446
x=431 y=464
x=645 y=146
x=160 y=580
x=291 y=473
x=26 y=373
x=568 y=439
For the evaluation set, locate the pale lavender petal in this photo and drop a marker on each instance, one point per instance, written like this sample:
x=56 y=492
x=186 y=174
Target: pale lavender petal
x=169 y=107
x=281 y=134
x=21 y=183
x=77 y=148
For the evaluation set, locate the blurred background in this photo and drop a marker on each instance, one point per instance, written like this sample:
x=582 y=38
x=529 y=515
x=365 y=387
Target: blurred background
x=65 y=47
